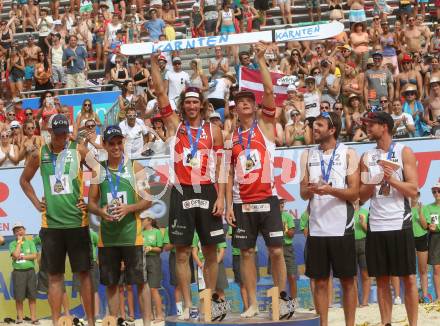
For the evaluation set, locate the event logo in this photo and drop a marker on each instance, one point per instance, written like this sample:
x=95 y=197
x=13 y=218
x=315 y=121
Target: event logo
x=288 y=80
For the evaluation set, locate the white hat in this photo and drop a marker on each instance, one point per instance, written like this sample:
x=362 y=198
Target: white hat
x=196 y=4
x=291 y=88
x=14 y=124
x=214 y=115
x=17 y=225
x=436 y=186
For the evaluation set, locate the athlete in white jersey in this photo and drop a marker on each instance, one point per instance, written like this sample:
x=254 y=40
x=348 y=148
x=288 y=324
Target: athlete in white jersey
x=389 y=179
x=330 y=182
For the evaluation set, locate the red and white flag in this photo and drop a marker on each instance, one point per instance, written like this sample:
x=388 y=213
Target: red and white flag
x=251 y=80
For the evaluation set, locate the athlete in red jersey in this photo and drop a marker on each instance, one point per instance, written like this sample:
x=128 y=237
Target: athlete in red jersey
x=251 y=202
x=195 y=204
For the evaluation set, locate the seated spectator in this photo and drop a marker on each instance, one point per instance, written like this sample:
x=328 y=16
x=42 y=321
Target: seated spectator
x=31 y=13
x=112 y=49
x=119 y=74
x=9 y=153
x=295 y=132
x=403 y=122
x=16 y=18
x=15 y=67
x=415 y=108
x=135 y=133
x=198 y=78
x=43 y=73
x=294 y=101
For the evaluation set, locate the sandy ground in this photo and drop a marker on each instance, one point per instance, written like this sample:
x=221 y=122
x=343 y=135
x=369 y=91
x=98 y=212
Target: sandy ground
x=429 y=315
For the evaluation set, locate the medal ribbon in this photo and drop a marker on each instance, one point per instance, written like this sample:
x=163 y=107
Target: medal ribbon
x=326 y=174
x=390 y=151
x=248 y=146
x=193 y=143
x=114 y=187
x=59 y=164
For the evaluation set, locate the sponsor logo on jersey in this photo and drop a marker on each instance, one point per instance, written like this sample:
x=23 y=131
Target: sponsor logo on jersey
x=255 y=208
x=193 y=203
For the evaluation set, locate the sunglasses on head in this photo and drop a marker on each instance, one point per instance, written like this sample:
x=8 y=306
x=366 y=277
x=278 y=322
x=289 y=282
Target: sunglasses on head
x=326 y=115
x=15 y=127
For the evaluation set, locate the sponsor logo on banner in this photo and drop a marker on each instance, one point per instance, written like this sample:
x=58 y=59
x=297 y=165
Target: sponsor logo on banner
x=193 y=203
x=287 y=80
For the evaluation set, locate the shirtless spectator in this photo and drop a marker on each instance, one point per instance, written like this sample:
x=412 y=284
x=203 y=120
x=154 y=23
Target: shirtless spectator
x=31 y=13
x=219 y=65
x=432 y=103
x=30 y=55
x=411 y=36
x=426 y=33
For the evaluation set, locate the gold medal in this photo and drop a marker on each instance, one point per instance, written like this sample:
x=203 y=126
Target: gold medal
x=194 y=162
x=249 y=164
x=58 y=186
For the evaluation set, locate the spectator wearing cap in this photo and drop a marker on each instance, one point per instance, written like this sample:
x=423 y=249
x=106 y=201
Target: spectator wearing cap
x=56 y=58
x=155 y=26
x=357 y=11
x=198 y=78
x=15 y=66
x=163 y=60
x=407 y=76
x=75 y=59
x=218 y=92
x=9 y=153
x=378 y=82
x=328 y=83
x=219 y=65
x=432 y=103
x=176 y=80
x=216 y=119
x=30 y=55
x=344 y=54
x=44 y=25
x=197 y=21
x=403 y=122
x=359 y=41
x=24 y=253
x=431 y=213
x=415 y=108
x=312 y=102
x=16 y=133
x=135 y=133
x=295 y=131
x=352 y=81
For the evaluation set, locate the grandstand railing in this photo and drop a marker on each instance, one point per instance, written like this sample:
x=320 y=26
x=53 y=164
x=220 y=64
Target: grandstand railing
x=91 y=88
x=111 y=117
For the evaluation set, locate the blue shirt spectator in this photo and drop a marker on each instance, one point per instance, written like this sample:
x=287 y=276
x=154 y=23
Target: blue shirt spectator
x=74 y=57
x=154 y=26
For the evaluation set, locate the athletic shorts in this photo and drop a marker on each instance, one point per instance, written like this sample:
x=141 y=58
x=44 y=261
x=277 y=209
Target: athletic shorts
x=391 y=253
x=236 y=268
x=172 y=268
x=361 y=259
x=261 y=5
x=110 y=259
x=434 y=249
x=210 y=25
x=421 y=243
x=56 y=243
x=28 y=72
x=94 y=274
x=25 y=284
x=312 y=4
x=153 y=266
x=289 y=259
x=325 y=254
x=252 y=218
x=227 y=29
x=405 y=9
x=191 y=211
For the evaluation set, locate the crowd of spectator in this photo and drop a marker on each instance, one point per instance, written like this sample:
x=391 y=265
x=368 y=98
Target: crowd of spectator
x=375 y=65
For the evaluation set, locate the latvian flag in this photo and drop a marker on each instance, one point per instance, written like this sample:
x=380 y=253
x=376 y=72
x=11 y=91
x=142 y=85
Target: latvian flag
x=251 y=80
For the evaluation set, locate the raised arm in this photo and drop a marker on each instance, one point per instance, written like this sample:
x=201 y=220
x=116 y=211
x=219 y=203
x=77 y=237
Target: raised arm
x=169 y=117
x=267 y=120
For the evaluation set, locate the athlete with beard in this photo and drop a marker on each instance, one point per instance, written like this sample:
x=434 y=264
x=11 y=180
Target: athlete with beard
x=196 y=150
x=330 y=182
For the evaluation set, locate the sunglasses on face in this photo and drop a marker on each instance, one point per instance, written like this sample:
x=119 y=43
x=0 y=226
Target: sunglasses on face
x=11 y=114
x=4 y=136
x=131 y=116
x=29 y=113
x=383 y=101
x=436 y=191
x=245 y=58
x=91 y=126
x=324 y=107
x=410 y=93
x=177 y=63
x=87 y=104
x=295 y=54
x=118 y=61
x=12 y=128
x=338 y=109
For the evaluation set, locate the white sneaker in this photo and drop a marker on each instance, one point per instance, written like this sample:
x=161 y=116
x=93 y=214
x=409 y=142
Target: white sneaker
x=397 y=301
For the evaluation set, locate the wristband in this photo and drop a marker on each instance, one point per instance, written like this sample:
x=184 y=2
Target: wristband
x=268 y=112
x=166 y=111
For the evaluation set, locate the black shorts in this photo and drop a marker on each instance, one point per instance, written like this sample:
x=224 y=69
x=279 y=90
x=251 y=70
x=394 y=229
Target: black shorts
x=361 y=259
x=261 y=216
x=193 y=211
x=421 y=243
x=56 y=243
x=391 y=253
x=94 y=274
x=434 y=249
x=110 y=259
x=325 y=254
x=210 y=25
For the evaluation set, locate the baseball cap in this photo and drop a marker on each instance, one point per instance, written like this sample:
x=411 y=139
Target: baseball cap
x=111 y=132
x=177 y=59
x=436 y=186
x=162 y=57
x=59 y=124
x=215 y=115
x=309 y=78
x=242 y=94
x=346 y=47
x=434 y=79
x=406 y=58
x=192 y=92
x=291 y=88
x=376 y=53
x=14 y=124
x=17 y=225
x=196 y=4
x=379 y=117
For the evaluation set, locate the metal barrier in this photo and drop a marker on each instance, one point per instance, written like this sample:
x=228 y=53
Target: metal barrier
x=91 y=88
x=111 y=117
